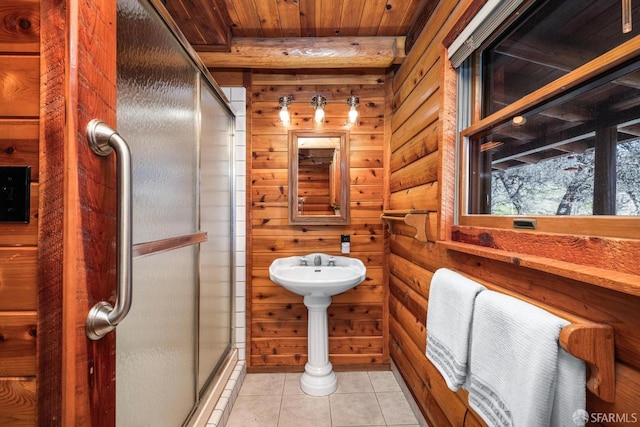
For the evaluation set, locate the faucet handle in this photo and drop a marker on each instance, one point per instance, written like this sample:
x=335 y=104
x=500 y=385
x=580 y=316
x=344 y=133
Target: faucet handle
x=332 y=261
x=303 y=260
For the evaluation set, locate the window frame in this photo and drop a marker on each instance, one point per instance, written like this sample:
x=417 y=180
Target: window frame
x=595 y=225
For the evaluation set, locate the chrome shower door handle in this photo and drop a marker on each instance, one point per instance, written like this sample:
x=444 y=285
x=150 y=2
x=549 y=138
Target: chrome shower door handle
x=102 y=317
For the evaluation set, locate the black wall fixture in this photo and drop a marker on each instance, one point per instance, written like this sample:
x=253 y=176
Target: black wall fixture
x=15 y=192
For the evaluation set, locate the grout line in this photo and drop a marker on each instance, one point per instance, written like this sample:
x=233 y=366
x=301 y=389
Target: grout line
x=282 y=396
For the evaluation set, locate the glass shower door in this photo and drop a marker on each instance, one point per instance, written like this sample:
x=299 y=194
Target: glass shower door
x=216 y=262
x=156 y=112
x=164 y=111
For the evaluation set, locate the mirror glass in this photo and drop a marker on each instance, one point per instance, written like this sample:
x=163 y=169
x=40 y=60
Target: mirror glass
x=318 y=178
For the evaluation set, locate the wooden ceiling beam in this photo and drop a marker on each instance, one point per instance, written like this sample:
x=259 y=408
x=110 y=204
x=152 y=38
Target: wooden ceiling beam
x=308 y=52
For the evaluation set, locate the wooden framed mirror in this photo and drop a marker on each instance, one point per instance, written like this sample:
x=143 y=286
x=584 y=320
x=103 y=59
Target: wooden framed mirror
x=319 y=177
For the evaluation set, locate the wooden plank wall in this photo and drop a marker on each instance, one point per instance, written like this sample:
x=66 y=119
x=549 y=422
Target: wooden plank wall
x=19 y=146
x=422 y=175
x=313 y=185
x=277 y=318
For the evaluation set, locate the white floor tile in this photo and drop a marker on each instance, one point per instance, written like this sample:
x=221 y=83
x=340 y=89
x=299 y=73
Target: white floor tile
x=263 y=385
x=304 y=411
x=395 y=408
x=355 y=409
x=383 y=381
x=255 y=411
x=292 y=383
x=353 y=382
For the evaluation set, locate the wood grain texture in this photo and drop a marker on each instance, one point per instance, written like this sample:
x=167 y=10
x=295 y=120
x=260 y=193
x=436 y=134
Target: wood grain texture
x=19 y=144
x=278 y=325
x=20 y=77
x=77 y=213
x=211 y=24
x=318 y=52
x=614 y=255
x=20 y=26
x=18 y=344
x=18 y=279
x=19 y=403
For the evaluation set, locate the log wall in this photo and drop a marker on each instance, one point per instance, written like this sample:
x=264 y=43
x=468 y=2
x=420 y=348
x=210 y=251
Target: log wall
x=277 y=318
x=421 y=177
x=19 y=146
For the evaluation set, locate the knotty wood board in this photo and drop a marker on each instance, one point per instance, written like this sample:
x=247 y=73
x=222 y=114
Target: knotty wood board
x=18 y=344
x=18 y=279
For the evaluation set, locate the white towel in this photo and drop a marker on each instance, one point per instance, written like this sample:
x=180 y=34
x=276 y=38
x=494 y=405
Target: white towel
x=519 y=375
x=451 y=300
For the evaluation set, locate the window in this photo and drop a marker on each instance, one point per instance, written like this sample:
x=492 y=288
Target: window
x=554 y=129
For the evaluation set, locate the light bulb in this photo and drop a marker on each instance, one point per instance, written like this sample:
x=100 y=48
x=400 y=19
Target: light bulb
x=284 y=102
x=318 y=103
x=284 y=116
x=353 y=115
x=353 y=102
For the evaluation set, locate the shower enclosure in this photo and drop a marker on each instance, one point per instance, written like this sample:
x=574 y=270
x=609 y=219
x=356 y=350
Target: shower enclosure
x=179 y=128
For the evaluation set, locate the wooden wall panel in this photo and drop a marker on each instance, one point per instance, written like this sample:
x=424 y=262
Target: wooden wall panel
x=20 y=28
x=421 y=167
x=18 y=344
x=19 y=402
x=19 y=146
x=18 y=279
x=412 y=264
x=277 y=329
x=20 y=96
x=76 y=383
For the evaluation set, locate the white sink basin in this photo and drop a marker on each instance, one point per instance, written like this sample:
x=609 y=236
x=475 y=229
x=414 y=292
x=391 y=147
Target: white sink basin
x=333 y=275
x=318 y=277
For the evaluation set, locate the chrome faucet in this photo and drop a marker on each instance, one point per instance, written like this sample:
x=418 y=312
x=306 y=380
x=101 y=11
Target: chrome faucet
x=303 y=260
x=332 y=261
x=317 y=260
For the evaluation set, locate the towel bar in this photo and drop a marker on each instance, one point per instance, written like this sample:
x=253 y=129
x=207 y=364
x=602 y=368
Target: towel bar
x=588 y=341
x=413 y=218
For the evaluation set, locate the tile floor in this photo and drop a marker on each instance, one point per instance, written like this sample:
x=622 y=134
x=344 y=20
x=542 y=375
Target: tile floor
x=362 y=399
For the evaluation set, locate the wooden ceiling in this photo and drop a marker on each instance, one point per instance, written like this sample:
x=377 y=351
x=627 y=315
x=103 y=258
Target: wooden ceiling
x=301 y=33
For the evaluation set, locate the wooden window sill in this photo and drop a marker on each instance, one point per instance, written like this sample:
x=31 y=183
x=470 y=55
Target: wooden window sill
x=604 y=278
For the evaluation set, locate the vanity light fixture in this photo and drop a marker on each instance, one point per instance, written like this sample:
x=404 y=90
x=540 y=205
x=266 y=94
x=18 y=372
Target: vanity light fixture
x=353 y=102
x=319 y=102
x=284 y=102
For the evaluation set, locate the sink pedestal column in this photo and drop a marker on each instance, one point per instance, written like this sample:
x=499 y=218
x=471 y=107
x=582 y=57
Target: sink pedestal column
x=318 y=378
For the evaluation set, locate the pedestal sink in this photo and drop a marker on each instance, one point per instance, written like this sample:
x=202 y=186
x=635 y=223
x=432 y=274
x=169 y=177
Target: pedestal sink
x=317 y=277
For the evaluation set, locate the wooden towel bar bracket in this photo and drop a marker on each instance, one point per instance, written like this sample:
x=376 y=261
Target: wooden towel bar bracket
x=593 y=343
x=416 y=219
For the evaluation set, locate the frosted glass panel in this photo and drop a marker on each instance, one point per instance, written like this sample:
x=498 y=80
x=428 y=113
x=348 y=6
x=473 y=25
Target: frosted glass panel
x=182 y=156
x=157 y=115
x=155 y=362
x=215 y=217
